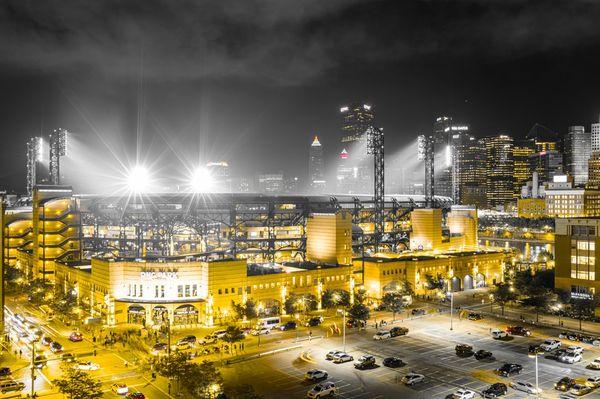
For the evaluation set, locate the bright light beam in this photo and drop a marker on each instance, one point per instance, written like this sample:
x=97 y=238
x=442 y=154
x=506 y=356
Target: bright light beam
x=201 y=181
x=138 y=179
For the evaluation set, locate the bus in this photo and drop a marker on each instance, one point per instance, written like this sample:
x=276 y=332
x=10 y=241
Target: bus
x=47 y=312
x=269 y=322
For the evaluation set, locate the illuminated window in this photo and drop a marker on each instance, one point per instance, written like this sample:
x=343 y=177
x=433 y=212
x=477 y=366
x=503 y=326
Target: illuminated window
x=180 y=291
x=195 y=290
x=162 y=291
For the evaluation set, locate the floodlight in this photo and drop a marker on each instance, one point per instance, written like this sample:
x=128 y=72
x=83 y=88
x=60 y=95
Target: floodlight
x=201 y=181
x=138 y=179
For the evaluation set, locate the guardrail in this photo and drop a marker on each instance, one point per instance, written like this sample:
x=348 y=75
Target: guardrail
x=262 y=354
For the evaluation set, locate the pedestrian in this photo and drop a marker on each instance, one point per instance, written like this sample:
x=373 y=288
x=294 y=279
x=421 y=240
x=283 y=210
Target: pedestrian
x=94 y=352
x=20 y=353
x=126 y=364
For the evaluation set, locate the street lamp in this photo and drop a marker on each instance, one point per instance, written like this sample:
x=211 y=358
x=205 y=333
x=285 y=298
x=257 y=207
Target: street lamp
x=451 y=309
x=532 y=355
x=559 y=307
x=33 y=366
x=343 y=328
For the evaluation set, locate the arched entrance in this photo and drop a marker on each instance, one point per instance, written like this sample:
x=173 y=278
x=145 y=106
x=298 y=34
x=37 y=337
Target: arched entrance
x=479 y=280
x=468 y=282
x=136 y=314
x=185 y=314
x=455 y=284
x=159 y=315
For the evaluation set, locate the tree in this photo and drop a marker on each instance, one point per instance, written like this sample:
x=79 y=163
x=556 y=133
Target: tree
x=78 y=384
x=539 y=298
x=172 y=367
x=360 y=295
x=37 y=290
x=247 y=310
x=436 y=283
x=241 y=392
x=300 y=303
x=359 y=312
x=334 y=298
x=233 y=334
x=203 y=380
x=63 y=302
x=502 y=294
x=393 y=301
x=583 y=307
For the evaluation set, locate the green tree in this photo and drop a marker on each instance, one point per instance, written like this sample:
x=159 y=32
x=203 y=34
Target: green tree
x=539 y=299
x=78 y=384
x=295 y=303
x=584 y=307
x=37 y=290
x=247 y=310
x=331 y=299
x=360 y=295
x=502 y=294
x=359 y=312
x=233 y=334
x=203 y=380
x=172 y=367
x=63 y=302
x=436 y=283
x=393 y=301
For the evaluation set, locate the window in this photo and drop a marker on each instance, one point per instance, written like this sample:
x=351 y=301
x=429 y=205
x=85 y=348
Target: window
x=187 y=290
x=240 y=291
x=226 y=290
x=180 y=291
x=156 y=291
x=220 y=291
x=141 y=290
x=135 y=290
x=162 y=291
x=195 y=290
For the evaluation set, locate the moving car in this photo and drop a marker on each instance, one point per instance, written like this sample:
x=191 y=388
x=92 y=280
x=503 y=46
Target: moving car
x=209 y=339
x=393 y=362
x=594 y=364
x=47 y=340
x=474 y=316
x=397 y=331
x=518 y=330
x=412 y=379
x=331 y=354
x=219 y=334
x=314 y=321
x=261 y=331
x=159 y=347
x=135 y=395
x=67 y=357
x=463 y=350
x=119 y=388
x=190 y=339
x=499 y=334
x=525 y=386
x=40 y=361
x=495 y=390
x=462 y=394
x=550 y=345
x=364 y=362
x=483 y=355
x=55 y=347
x=5 y=372
x=593 y=382
x=342 y=358
x=580 y=389
x=180 y=346
x=570 y=357
x=380 y=335
x=76 y=336
x=509 y=369
x=418 y=312
x=322 y=389
x=315 y=375
x=11 y=386
x=87 y=366
x=564 y=384
x=290 y=325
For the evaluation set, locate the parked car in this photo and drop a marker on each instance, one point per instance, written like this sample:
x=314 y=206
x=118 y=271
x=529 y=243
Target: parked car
x=593 y=382
x=5 y=372
x=418 y=312
x=159 y=347
x=564 y=384
x=47 y=340
x=119 y=388
x=290 y=325
x=575 y=349
x=518 y=330
x=322 y=389
x=208 y=340
x=381 y=335
x=76 y=336
x=462 y=394
x=397 y=331
x=412 y=379
x=190 y=339
x=219 y=334
x=393 y=362
x=499 y=334
x=474 y=316
x=55 y=347
x=315 y=375
x=556 y=355
x=525 y=386
x=364 y=362
x=580 y=389
x=314 y=321
x=483 y=355
x=11 y=386
x=342 y=358
x=495 y=390
x=261 y=331
x=534 y=349
x=331 y=354
x=508 y=369
x=550 y=345
x=40 y=361
x=68 y=357
x=463 y=350
x=594 y=364
x=135 y=395
x=87 y=366
x=570 y=357
x=181 y=346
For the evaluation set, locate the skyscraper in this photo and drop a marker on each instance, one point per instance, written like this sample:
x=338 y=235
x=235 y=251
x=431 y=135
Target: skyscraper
x=357 y=118
x=522 y=150
x=471 y=171
x=596 y=136
x=577 y=151
x=356 y=121
x=448 y=142
x=500 y=164
x=220 y=175
x=316 y=167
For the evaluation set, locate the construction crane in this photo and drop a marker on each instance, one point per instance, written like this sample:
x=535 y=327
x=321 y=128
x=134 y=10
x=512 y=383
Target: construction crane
x=375 y=147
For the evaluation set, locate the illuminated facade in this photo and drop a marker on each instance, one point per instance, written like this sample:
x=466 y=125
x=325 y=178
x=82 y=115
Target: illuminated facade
x=577 y=151
x=576 y=268
x=500 y=165
x=316 y=167
x=531 y=208
x=355 y=169
x=356 y=119
x=522 y=172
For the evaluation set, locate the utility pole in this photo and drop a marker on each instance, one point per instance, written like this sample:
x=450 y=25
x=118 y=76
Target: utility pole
x=33 y=369
x=451 y=309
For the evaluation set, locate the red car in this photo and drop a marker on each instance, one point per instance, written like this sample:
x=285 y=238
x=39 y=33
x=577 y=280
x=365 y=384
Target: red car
x=135 y=395
x=518 y=330
x=76 y=336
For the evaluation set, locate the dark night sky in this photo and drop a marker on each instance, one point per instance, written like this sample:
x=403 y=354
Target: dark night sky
x=251 y=80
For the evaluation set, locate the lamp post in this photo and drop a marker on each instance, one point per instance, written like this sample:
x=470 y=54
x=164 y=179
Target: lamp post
x=33 y=376
x=537 y=386
x=343 y=328
x=559 y=307
x=451 y=310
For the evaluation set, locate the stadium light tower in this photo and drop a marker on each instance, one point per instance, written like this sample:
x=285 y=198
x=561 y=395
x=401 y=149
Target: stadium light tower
x=138 y=179
x=375 y=147
x=35 y=146
x=58 y=148
x=201 y=181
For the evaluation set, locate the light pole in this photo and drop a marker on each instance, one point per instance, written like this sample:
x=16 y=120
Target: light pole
x=343 y=328
x=537 y=386
x=33 y=376
x=451 y=310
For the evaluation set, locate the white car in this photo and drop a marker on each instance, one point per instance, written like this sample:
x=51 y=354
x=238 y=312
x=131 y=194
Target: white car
x=463 y=394
x=331 y=354
x=321 y=390
x=570 y=358
x=119 y=389
x=498 y=334
x=219 y=334
x=550 y=345
x=315 y=374
x=575 y=349
x=261 y=331
x=342 y=358
x=87 y=366
x=593 y=382
x=412 y=379
x=594 y=364
x=525 y=387
x=380 y=335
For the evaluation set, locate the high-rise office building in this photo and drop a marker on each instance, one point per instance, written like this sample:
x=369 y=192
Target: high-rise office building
x=543 y=138
x=448 y=141
x=356 y=121
x=220 y=175
x=346 y=174
x=500 y=164
x=596 y=136
x=271 y=183
x=471 y=157
x=357 y=118
x=547 y=164
x=522 y=150
x=316 y=167
x=577 y=150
